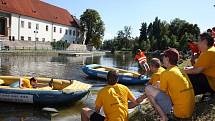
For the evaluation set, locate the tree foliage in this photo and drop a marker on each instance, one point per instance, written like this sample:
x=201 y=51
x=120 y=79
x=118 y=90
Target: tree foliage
x=92 y=23
x=60 y=45
x=158 y=35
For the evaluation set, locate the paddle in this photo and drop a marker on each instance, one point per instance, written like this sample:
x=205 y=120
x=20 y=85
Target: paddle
x=51 y=110
x=99 y=85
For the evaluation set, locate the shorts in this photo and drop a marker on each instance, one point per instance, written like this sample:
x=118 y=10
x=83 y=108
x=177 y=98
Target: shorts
x=200 y=83
x=97 y=117
x=164 y=101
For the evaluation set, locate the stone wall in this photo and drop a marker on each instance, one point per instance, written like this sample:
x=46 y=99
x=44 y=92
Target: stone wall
x=78 y=47
x=25 y=45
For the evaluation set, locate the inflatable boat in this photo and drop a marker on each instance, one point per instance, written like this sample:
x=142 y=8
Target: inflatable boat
x=61 y=92
x=125 y=77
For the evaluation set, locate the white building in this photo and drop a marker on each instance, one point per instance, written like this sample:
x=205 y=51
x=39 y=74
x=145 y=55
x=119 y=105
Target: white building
x=35 y=20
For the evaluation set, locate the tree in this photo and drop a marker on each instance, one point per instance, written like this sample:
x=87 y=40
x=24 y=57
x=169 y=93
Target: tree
x=143 y=34
x=91 y=22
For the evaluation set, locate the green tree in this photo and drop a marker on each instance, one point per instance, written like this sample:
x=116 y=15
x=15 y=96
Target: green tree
x=143 y=35
x=92 y=23
x=120 y=39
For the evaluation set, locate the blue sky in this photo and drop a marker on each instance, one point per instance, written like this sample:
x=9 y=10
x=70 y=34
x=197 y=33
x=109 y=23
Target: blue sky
x=119 y=13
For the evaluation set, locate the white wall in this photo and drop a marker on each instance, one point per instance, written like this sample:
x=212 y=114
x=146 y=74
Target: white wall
x=49 y=35
x=14 y=25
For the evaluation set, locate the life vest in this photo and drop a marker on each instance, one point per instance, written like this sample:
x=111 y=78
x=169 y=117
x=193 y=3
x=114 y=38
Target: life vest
x=141 y=58
x=194 y=48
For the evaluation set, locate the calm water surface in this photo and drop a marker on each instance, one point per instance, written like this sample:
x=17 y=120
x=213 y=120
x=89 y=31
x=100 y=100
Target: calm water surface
x=57 y=67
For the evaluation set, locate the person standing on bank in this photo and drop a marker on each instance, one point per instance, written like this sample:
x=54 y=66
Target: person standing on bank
x=194 y=51
x=175 y=94
x=202 y=74
x=114 y=100
x=142 y=60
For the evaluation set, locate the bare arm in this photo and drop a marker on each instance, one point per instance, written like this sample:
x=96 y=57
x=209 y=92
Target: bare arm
x=136 y=102
x=194 y=70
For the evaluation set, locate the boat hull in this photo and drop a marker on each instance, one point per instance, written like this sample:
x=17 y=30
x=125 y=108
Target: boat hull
x=43 y=96
x=40 y=97
x=123 y=79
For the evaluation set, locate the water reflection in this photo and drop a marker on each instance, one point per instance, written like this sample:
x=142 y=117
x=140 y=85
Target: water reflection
x=57 y=67
x=22 y=112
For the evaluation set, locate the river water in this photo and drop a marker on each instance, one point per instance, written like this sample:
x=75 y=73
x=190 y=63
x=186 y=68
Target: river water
x=62 y=67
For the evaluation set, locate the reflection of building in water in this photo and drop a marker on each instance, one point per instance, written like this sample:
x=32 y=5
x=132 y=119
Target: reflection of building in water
x=31 y=65
x=44 y=66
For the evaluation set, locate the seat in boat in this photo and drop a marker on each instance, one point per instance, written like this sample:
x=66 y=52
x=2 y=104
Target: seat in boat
x=101 y=69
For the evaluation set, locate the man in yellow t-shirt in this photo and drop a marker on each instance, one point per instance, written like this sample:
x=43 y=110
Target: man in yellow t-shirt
x=175 y=94
x=114 y=100
x=202 y=74
x=156 y=69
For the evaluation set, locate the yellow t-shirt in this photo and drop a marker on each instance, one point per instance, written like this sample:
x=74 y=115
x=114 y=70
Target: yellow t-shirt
x=26 y=83
x=114 y=100
x=207 y=60
x=178 y=86
x=156 y=76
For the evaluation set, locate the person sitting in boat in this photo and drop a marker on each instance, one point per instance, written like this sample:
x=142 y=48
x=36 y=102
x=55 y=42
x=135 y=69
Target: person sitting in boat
x=142 y=60
x=202 y=74
x=114 y=100
x=175 y=96
x=194 y=51
x=156 y=69
x=32 y=83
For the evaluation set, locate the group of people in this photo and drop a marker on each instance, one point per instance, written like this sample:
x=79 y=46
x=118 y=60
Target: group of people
x=171 y=90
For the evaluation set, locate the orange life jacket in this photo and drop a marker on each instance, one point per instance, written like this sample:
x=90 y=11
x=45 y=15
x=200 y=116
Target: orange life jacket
x=140 y=58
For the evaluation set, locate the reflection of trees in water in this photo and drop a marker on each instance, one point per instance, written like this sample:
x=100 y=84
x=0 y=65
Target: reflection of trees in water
x=60 y=59
x=121 y=60
x=22 y=112
x=124 y=59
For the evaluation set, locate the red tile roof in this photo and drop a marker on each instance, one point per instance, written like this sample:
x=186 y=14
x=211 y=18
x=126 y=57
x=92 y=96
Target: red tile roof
x=38 y=9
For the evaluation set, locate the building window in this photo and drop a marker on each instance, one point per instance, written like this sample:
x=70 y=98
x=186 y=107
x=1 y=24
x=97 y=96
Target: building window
x=29 y=25
x=54 y=29
x=36 y=39
x=29 y=38
x=66 y=31
x=22 y=38
x=54 y=40
x=70 y=32
x=60 y=30
x=22 y=24
x=47 y=27
x=37 y=26
x=74 y=33
x=43 y=39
